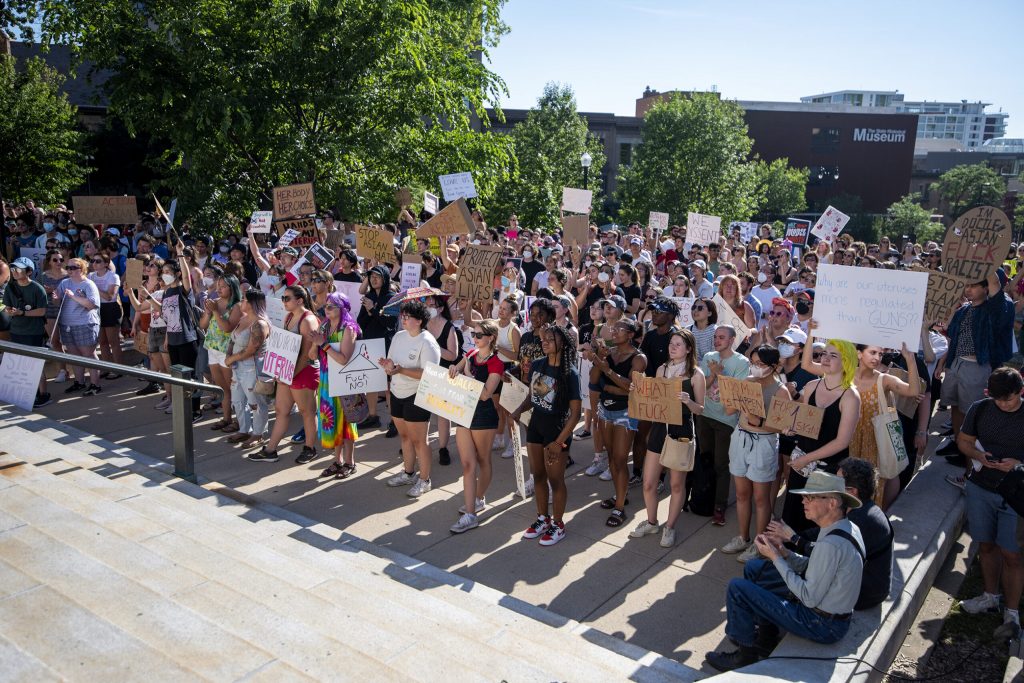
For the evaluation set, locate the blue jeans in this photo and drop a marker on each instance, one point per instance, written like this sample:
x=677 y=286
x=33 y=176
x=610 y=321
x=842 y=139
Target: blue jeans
x=748 y=604
x=251 y=409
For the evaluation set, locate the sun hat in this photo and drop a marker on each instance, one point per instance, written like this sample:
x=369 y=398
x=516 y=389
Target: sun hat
x=822 y=482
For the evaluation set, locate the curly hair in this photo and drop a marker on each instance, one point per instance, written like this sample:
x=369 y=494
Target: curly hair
x=848 y=353
x=568 y=362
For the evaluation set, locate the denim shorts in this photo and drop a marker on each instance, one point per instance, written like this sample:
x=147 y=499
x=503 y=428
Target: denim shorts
x=990 y=519
x=619 y=418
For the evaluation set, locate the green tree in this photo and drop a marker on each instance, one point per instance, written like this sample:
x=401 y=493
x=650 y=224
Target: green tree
x=778 y=189
x=40 y=143
x=357 y=97
x=547 y=149
x=967 y=186
x=693 y=157
x=907 y=217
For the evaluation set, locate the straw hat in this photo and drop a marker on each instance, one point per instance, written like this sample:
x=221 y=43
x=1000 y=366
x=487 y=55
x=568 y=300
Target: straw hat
x=822 y=482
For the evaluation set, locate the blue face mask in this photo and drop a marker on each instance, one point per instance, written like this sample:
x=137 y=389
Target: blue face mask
x=73 y=231
x=48 y=227
x=545 y=252
x=505 y=282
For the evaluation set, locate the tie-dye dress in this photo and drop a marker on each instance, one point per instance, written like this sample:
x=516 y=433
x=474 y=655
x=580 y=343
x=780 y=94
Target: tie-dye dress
x=332 y=425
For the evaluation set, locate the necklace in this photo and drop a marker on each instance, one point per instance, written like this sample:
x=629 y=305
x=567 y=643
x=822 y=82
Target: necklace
x=827 y=387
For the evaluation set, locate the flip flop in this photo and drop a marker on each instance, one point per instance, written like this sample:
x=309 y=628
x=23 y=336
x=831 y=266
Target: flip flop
x=609 y=503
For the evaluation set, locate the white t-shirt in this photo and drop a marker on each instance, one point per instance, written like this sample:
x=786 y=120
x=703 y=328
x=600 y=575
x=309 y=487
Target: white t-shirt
x=157 y=320
x=411 y=352
x=764 y=297
x=104 y=282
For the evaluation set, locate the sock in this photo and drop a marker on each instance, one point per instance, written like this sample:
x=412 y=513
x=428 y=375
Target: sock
x=1011 y=615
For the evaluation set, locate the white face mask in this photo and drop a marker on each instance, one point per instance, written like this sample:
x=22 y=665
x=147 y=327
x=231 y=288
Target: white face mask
x=207 y=281
x=756 y=371
x=602 y=277
x=786 y=350
x=527 y=254
x=168 y=279
x=762 y=278
x=432 y=311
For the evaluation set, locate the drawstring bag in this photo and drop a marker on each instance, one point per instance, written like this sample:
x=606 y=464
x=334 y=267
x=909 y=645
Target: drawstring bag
x=892 y=452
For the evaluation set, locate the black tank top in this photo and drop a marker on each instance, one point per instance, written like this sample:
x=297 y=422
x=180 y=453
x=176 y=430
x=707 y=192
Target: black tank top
x=829 y=431
x=615 y=401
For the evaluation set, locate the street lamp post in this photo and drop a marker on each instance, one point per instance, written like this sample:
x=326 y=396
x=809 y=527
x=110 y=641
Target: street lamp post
x=585 y=161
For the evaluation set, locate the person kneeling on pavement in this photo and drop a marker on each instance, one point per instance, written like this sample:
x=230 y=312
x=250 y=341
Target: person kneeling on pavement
x=825 y=584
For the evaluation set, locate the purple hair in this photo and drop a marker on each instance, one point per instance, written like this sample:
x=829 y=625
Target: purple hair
x=341 y=301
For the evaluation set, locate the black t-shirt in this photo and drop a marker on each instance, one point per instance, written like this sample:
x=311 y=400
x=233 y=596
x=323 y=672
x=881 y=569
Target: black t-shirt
x=998 y=431
x=529 y=350
x=655 y=347
x=348 y=277
x=531 y=268
x=631 y=293
x=543 y=384
x=800 y=377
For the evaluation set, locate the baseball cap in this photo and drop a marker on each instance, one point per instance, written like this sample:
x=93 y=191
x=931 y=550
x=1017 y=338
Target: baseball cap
x=806 y=294
x=794 y=335
x=24 y=263
x=636 y=240
x=291 y=251
x=818 y=346
x=565 y=301
x=616 y=301
x=114 y=231
x=699 y=263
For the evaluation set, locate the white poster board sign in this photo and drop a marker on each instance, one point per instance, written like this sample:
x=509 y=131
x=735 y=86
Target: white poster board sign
x=275 y=311
x=455 y=185
x=361 y=374
x=727 y=316
x=748 y=230
x=576 y=201
x=286 y=239
x=21 y=379
x=351 y=291
x=703 y=229
x=685 y=316
x=430 y=203
x=37 y=256
x=870 y=305
x=454 y=399
x=261 y=221
x=657 y=222
x=512 y=395
x=830 y=225
x=411 y=274
x=282 y=352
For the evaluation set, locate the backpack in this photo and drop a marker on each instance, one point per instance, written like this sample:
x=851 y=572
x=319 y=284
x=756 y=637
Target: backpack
x=699 y=496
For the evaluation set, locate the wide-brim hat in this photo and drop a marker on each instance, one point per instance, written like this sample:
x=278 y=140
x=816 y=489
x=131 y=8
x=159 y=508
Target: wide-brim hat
x=823 y=482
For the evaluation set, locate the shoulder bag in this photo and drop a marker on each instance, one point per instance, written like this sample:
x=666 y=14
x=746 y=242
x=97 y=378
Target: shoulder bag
x=892 y=452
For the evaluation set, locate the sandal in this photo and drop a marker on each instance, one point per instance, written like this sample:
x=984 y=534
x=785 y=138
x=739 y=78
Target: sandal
x=231 y=427
x=220 y=424
x=239 y=437
x=616 y=519
x=336 y=468
x=347 y=470
x=609 y=504
x=252 y=441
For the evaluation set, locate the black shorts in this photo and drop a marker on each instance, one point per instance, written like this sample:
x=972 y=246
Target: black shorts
x=110 y=314
x=659 y=430
x=485 y=416
x=29 y=339
x=544 y=429
x=406 y=409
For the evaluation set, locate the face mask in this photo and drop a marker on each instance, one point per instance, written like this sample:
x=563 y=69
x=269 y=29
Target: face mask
x=475 y=242
x=762 y=278
x=505 y=282
x=207 y=281
x=72 y=232
x=602 y=277
x=157 y=232
x=48 y=227
x=168 y=279
x=786 y=350
x=225 y=250
x=432 y=311
x=758 y=371
x=545 y=252
x=803 y=308
x=527 y=254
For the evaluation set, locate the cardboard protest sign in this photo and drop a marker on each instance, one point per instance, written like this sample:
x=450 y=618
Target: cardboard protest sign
x=361 y=374
x=403 y=197
x=741 y=394
x=656 y=399
x=456 y=185
x=945 y=295
x=319 y=256
x=21 y=379
x=292 y=201
x=334 y=238
x=282 y=352
x=727 y=316
x=830 y=224
x=411 y=272
x=513 y=394
x=260 y=221
x=453 y=219
x=160 y=209
x=105 y=210
x=685 y=304
x=657 y=222
x=307 y=234
x=375 y=243
x=430 y=203
x=796 y=231
x=785 y=415
x=454 y=399
x=477 y=268
x=141 y=342
x=703 y=229
x=907 y=405
x=870 y=305
x=576 y=230
x=976 y=244
x=133 y=278
x=275 y=311
x=576 y=201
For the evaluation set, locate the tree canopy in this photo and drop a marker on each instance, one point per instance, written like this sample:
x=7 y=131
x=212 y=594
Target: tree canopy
x=907 y=217
x=967 y=186
x=778 y=189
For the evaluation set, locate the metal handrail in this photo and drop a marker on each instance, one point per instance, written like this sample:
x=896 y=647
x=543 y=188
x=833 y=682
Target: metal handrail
x=182 y=387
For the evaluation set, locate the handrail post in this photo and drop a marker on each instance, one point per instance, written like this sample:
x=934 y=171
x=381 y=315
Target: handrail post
x=181 y=425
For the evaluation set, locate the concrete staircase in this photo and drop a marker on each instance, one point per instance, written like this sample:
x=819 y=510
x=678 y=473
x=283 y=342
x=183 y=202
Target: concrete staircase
x=112 y=570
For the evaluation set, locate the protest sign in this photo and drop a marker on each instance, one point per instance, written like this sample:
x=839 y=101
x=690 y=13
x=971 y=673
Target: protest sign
x=319 y=256
x=306 y=232
x=456 y=185
x=796 y=231
x=907 y=405
x=334 y=238
x=286 y=238
x=453 y=219
x=830 y=224
x=454 y=399
x=657 y=222
x=21 y=379
x=656 y=399
x=727 y=316
x=173 y=210
x=282 y=352
x=748 y=230
x=785 y=415
x=260 y=221
x=576 y=230
x=141 y=342
x=741 y=394
x=870 y=305
x=105 y=210
x=275 y=311
x=351 y=292
x=411 y=272
x=945 y=295
x=361 y=374
x=513 y=394
x=292 y=201
x=133 y=278
x=685 y=316
x=703 y=229
x=37 y=256
x=576 y=201
x=976 y=244
x=160 y=210
x=375 y=243
x=403 y=197
x=430 y=203
x=476 y=272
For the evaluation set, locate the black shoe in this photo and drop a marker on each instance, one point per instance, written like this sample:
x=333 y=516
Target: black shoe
x=949 y=448
x=727 y=661
x=443 y=456
x=42 y=400
x=110 y=375
x=149 y=389
x=958 y=460
x=306 y=456
x=75 y=386
x=263 y=455
x=392 y=431
x=92 y=390
x=197 y=416
x=569 y=462
x=768 y=638
x=369 y=423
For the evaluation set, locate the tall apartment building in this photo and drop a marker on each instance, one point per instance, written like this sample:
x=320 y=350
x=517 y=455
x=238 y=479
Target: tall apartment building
x=964 y=125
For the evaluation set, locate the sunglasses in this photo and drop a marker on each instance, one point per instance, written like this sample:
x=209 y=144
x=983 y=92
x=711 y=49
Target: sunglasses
x=74 y=267
x=330 y=307
x=697 y=308
x=319 y=279
x=777 y=314
x=57 y=260
x=817 y=354
x=287 y=298
x=479 y=335
x=96 y=260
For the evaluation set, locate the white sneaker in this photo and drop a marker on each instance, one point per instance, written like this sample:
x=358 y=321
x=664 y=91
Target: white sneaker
x=737 y=544
x=465 y=523
x=164 y=402
x=644 y=528
x=61 y=377
x=499 y=443
x=749 y=554
x=509 y=451
x=481 y=505
x=606 y=475
x=419 y=488
x=983 y=603
x=402 y=479
x=555 y=533
x=599 y=465
x=668 y=537
x=527 y=487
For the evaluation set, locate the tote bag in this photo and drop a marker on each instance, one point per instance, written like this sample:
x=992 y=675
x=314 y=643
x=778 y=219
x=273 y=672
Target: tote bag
x=892 y=452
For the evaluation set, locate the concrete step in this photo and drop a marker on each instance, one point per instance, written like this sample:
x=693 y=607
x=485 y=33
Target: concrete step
x=18 y=665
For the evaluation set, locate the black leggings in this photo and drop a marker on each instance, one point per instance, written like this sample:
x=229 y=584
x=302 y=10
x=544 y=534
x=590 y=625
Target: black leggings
x=186 y=354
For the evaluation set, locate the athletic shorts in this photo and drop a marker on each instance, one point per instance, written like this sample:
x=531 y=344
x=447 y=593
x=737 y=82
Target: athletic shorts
x=307 y=378
x=754 y=456
x=965 y=383
x=110 y=314
x=544 y=429
x=406 y=409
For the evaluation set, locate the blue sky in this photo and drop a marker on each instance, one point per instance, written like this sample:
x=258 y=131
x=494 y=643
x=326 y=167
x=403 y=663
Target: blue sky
x=609 y=50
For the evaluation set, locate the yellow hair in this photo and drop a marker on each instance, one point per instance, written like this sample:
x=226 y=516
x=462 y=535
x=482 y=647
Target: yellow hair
x=848 y=352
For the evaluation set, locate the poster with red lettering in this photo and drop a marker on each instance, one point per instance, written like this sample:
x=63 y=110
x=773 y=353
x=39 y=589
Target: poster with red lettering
x=282 y=352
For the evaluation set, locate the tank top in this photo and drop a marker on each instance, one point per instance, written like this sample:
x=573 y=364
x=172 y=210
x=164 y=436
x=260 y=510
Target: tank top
x=615 y=401
x=505 y=339
x=829 y=431
x=684 y=430
x=216 y=338
x=303 y=360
